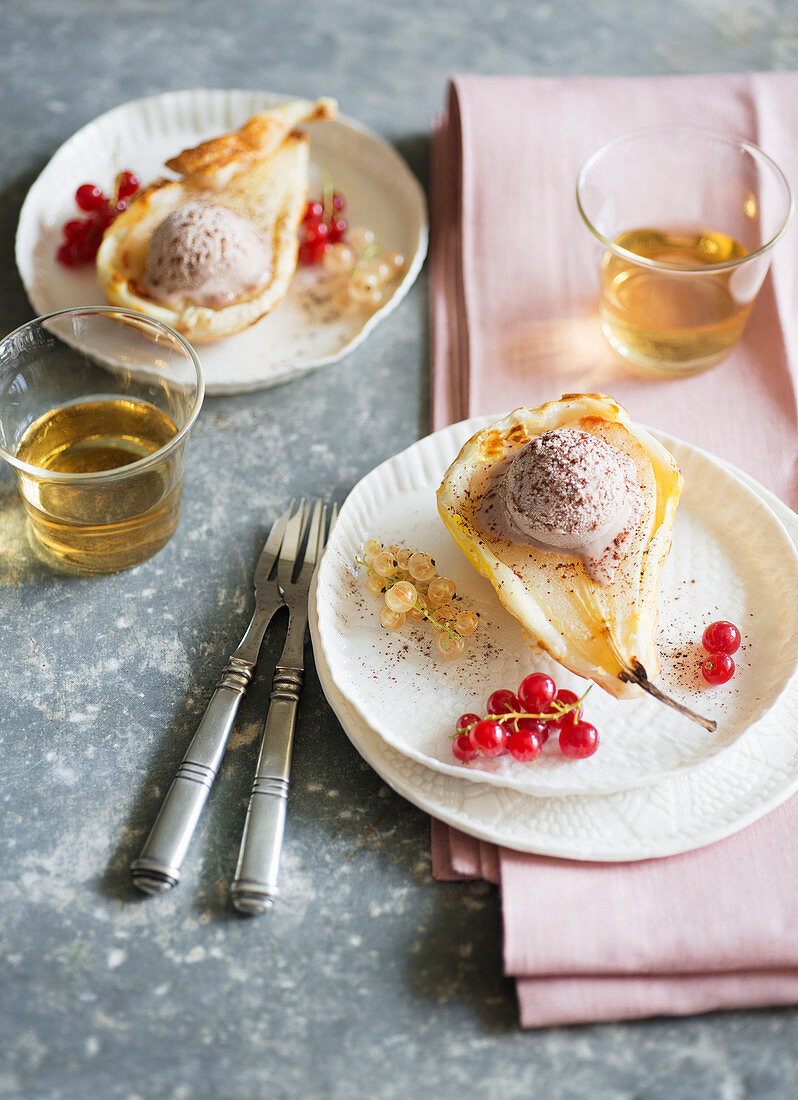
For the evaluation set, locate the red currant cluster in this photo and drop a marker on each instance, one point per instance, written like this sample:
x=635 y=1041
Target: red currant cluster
x=720 y=640
x=81 y=237
x=519 y=723
x=322 y=226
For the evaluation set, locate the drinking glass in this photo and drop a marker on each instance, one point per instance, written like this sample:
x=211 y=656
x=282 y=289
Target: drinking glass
x=684 y=222
x=96 y=405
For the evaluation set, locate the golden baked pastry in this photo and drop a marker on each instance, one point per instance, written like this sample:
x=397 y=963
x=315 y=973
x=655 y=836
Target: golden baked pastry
x=214 y=251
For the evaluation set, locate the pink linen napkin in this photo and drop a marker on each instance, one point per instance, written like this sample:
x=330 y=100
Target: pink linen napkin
x=514 y=322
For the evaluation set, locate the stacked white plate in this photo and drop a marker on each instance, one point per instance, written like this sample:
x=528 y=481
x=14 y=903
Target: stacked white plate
x=659 y=784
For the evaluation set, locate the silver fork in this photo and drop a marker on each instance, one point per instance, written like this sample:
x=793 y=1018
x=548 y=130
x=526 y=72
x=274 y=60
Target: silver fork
x=254 y=886
x=158 y=867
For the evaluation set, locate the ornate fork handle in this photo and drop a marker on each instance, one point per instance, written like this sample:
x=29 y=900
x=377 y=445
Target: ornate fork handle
x=254 y=887
x=158 y=867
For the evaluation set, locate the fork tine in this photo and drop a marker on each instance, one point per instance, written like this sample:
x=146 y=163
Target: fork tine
x=326 y=528
x=268 y=555
x=315 y=535
x=332 y=511
x=291 y=543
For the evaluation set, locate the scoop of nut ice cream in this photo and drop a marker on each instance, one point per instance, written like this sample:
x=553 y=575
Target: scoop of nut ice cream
x=208 y=254
x=568 y=490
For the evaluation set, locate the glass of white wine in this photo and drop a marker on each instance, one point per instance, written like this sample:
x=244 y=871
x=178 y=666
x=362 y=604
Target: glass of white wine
x=96 y=405
x=684 y=221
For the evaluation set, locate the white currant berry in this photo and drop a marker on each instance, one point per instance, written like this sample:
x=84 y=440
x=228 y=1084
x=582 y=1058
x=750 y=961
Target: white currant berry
x=384 y=564
x=421 y=567
x=391 y=620
x=449 y=645
x=379 y=268
x=340 y=259
x=401 y=596
x=440 y=591
x=442 y=616
x=361 y=238
x=395 y=260
x=375 y=583
x=466 y=622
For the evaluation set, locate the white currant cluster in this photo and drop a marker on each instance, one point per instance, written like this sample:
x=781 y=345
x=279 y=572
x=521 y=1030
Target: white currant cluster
x=411 y=586
x=361 y=271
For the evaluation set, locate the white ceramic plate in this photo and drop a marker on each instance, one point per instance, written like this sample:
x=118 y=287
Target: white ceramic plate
x=731 y=558
x=303 y=332
x=686 y=811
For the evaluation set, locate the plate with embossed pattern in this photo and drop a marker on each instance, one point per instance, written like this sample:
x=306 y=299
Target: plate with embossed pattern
x=677 y=814
x=304 y=331
x=731 y=558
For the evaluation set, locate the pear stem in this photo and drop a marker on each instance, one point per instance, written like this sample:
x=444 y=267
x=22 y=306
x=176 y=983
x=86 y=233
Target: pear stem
x=637 y=675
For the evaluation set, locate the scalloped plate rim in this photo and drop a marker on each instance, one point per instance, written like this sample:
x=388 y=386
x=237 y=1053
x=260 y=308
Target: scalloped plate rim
x=466 y=428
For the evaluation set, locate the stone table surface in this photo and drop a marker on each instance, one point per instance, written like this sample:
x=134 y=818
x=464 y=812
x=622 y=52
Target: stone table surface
x=369 y=979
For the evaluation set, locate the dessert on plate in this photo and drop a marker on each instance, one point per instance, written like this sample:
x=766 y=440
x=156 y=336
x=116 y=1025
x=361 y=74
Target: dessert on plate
x=568 y=511
x=213 y=251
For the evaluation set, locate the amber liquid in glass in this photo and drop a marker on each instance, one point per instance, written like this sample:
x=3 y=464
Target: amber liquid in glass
x=101 y=525
x=674 y=321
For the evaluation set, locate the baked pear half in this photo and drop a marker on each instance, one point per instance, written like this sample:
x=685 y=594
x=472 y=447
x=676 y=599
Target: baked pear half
x=604 y=632
x=252 y=184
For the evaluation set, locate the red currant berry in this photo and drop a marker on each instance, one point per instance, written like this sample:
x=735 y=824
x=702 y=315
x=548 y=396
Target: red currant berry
x=87 y=250
x=338 y=201
x=721 y=637
x=66 y=254
x=75 y=230
x=316 y=231
x=532 y=725
x=567 y=698
x=463 y=748
x=489 y=737
x=502 y=701
x=101 y=219
x=311 y=252
x=536 y=692
x=314 y=212
x=89 y=197
x=718 y=668
x=578 y=739
x=127 y=184
x=523 y=745
x=81 y=249
x=569 y=719
x=337 y=229
x=465 y=721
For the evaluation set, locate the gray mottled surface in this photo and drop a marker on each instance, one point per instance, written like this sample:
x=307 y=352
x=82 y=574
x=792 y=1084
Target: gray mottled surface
x=369 y=980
